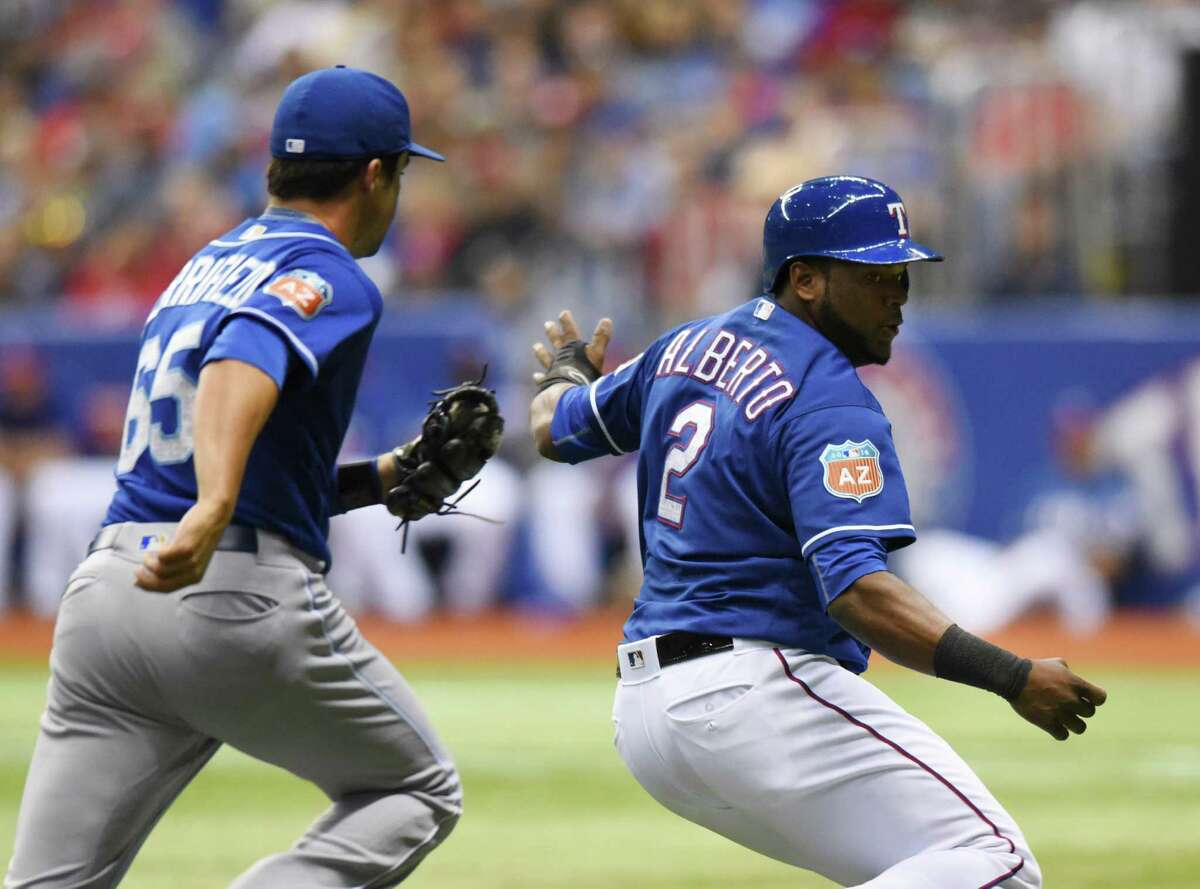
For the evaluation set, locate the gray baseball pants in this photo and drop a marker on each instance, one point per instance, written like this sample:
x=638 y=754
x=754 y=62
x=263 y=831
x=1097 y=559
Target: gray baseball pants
x=145 y=687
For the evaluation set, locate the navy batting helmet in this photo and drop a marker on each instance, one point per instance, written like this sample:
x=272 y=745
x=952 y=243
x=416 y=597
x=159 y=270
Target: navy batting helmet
x=841 y=217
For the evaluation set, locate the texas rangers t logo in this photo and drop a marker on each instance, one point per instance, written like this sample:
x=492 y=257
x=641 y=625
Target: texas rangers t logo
x=852 y=470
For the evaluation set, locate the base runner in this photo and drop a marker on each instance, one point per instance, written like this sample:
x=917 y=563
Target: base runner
x=770 y=497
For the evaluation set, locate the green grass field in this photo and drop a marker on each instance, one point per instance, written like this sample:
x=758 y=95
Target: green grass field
x=549 y=805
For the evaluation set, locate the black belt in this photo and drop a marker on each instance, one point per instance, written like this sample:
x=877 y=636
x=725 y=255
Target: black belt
x=235 y=538
x=674 y=648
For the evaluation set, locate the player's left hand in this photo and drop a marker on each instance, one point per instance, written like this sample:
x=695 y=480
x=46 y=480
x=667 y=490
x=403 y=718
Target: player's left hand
x=564 y=332
x=184 y=558
x=459 y=435
x=1056 y=700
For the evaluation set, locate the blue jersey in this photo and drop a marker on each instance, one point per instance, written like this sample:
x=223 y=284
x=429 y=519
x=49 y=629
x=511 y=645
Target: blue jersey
x=281 y=293
x=767 y=478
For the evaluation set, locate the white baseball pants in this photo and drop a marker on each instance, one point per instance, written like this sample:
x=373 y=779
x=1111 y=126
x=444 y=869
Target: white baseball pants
x=792 y=755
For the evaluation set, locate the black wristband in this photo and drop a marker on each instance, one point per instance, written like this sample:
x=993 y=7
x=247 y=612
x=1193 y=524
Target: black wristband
x=570 y=365
x=963 y=657
x=359 y=484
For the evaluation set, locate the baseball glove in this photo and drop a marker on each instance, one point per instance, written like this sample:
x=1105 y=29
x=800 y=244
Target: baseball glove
x=460 y=433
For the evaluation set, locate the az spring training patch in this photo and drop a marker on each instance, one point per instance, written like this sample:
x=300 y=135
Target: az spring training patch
x=305 y=291
x=852 y=470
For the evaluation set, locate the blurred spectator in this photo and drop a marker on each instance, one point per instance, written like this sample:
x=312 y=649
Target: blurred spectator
x=32 y=428
x=452 y=563
x=8 y=523
x=32 y=432
x=613 y=151
x=65 y=501
x=984 y=586
x=100 y=425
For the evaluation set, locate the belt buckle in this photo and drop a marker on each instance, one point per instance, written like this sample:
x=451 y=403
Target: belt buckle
x=711 y=646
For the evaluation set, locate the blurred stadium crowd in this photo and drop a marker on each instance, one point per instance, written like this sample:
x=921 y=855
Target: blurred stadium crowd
x=616 y=155
x=601 y=151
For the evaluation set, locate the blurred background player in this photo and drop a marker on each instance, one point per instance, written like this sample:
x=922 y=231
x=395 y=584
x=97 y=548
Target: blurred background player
x=454 y=566
x=985 y=586
x=1079 y=539
x=32 y=434
x=770 y=497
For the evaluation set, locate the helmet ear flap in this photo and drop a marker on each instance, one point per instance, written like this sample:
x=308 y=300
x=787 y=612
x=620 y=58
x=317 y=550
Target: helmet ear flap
x=781 y=276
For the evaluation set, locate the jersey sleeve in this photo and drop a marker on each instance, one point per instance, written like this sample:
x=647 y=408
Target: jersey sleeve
x=836 y=564
x=315 y=303
x=249 y=339
x=603 y=418
x=843 y=478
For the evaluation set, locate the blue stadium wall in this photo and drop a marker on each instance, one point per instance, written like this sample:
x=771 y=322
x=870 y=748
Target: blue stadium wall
x=980 y=400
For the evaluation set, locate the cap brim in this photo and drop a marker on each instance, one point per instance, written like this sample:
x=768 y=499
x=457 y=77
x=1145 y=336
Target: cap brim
x=422 y=151
x=889 y=253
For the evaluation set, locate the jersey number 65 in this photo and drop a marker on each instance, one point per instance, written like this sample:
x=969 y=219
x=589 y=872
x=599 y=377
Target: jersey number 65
x=159 y=377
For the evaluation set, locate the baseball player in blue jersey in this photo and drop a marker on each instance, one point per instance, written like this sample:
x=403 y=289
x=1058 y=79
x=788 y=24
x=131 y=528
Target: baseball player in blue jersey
x=770 y=497
x=200 y=615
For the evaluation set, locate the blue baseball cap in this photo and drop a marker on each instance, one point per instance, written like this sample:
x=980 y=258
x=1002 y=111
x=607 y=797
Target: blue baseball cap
x=343 y=114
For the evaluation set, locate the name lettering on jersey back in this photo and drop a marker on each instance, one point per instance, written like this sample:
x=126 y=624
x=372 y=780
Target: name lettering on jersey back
x=227 y=281
x=740 y=368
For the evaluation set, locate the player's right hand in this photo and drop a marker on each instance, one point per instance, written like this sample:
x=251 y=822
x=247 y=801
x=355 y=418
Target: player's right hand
x=184 y=558
x=1056 y=700
x=564 y=331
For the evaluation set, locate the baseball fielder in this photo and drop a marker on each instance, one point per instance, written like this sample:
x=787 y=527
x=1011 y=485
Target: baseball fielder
x=200 y=615
x=770 y=497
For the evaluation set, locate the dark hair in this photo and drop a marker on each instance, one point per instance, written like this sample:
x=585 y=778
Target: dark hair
x=317 y=180
x=820 y=263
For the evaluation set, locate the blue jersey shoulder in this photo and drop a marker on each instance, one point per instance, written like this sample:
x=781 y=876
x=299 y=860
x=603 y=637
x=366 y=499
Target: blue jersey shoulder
x=300 y=287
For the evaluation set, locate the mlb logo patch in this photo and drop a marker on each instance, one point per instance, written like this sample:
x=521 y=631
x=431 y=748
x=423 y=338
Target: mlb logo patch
x=852 y=470
x=636 y=660
x=152 y=541
x=294 y=146
x=306 y=292
x=252 y=233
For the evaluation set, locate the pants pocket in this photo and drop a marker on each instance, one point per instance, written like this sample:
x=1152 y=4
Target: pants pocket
x=230 y=605
x=77 y=583
x=230 y=631
x=707 y=703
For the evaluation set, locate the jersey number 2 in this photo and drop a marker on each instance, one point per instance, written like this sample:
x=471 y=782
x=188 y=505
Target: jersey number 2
x=167 y=382
x=681 y=457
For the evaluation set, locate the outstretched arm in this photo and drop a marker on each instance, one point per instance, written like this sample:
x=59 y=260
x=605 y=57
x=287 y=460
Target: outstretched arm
x=541 y=414
x=891 y=617
x=541 y=410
